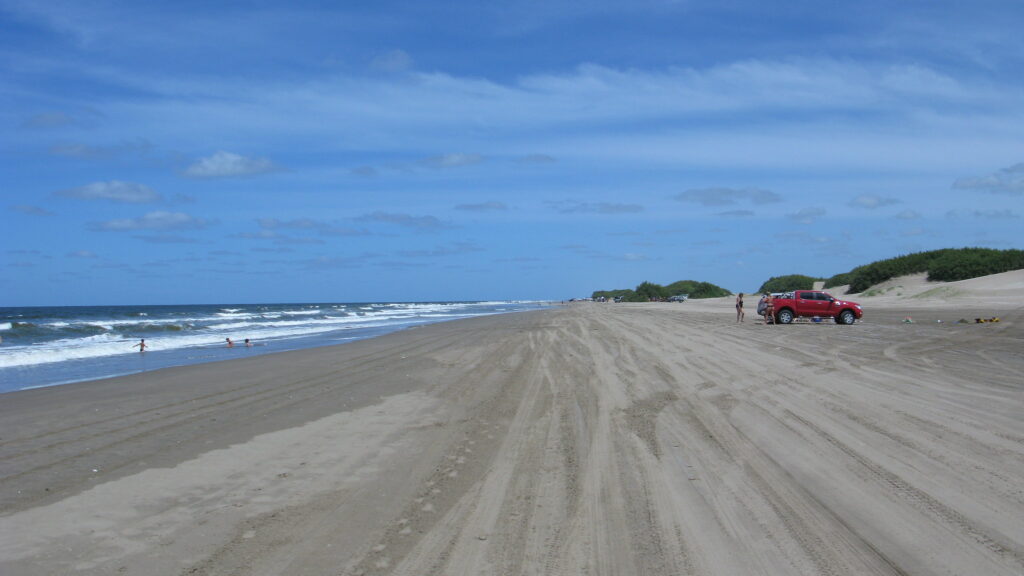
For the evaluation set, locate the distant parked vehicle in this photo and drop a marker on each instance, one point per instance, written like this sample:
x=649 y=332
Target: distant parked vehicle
x=810 y=303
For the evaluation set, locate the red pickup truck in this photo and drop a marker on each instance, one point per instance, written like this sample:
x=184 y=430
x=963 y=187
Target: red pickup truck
x=810 y=303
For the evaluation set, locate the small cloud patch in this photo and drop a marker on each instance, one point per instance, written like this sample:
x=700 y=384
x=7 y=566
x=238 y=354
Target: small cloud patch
x=159 y=220
x=536 y=159
x=422 y=223
x=453 y=160
x=229 y=165
x=807 y=215
x=728 y=196
x=483 y=207
x=115 y=191
x=392 y=61
x=871 y=201
x=31 y=210
x=1005 y=181
x=606 y=208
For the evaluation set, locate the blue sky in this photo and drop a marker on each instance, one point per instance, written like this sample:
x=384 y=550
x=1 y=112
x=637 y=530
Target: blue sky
x=188 y=152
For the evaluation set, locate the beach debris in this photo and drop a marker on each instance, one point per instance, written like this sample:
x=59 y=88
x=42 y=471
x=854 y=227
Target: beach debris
x=986 y=320
x=908 y=320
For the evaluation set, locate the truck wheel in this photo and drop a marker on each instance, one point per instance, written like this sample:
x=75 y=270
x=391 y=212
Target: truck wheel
x=846 y=317
x=785 y=316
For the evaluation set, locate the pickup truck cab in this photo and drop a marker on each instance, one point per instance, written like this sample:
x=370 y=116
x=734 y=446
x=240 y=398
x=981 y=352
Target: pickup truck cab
x=809 y=303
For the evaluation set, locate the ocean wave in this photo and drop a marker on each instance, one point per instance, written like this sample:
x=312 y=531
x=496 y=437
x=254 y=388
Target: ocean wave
x=65 y=335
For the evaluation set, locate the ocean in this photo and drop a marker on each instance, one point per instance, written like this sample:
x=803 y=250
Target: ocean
x=47 y=346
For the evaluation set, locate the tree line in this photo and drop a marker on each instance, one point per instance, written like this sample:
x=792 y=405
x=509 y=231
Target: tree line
x=648 y=291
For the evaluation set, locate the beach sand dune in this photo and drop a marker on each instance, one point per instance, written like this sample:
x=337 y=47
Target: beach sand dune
x=590 y=439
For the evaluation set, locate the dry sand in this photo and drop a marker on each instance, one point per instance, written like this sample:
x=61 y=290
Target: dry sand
x=592 y=439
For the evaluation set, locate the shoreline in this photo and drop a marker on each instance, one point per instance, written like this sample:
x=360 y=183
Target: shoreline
x=576 y=437
x=51 y=350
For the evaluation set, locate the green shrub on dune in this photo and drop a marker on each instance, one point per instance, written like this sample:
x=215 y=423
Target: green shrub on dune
x=974 y=262
x=626 y=294
x=696 y=289
x=946 y=265
x=788 y=283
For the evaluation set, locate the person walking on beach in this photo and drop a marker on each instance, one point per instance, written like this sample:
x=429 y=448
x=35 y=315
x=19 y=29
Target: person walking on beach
x=141 y=345
x=739 y=307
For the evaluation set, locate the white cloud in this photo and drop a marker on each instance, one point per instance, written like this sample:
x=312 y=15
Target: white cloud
x=392 y=61
x=492 y=206
x=991 y=214
x=453 y=249
x=871 y=201
x=159 y=220
x=1007 y=181
x=48 y=120
x=31 y=210
x=229 y=165
x=908 y=215
x=269 y=226
x=570 y=207
x=423 y=223
x=115 y=190
x=728 y=196
x=79 y=150
x=453 y=160
x=807 y=215
x=537 y=159
x=298 y=223
x=741 y=114
x=82 y=254
x=165 y=239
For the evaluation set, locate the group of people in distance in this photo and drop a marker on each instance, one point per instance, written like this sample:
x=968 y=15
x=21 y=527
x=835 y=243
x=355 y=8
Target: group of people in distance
x=765 y=308
x=142 y=344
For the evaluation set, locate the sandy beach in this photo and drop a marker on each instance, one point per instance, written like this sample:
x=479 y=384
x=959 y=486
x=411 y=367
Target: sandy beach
x=599 y=439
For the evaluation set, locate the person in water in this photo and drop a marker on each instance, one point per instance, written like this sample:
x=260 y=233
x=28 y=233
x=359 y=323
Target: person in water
x=141 y=345
x=248 y=344
x=230 y=343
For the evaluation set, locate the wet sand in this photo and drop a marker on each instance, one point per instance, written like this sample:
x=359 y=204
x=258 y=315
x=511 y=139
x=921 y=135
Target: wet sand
x=590 y=439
